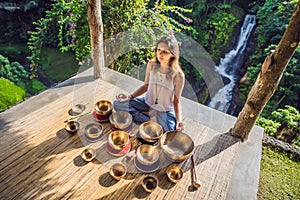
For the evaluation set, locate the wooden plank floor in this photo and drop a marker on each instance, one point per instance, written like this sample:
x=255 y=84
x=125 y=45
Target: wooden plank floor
x=40 y=160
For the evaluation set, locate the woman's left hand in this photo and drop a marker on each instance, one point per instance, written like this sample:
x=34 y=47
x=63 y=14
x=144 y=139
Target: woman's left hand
x=179 y=126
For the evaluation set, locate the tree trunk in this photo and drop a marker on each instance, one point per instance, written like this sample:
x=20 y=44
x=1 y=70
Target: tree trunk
x=269 y=77
x=96 y=34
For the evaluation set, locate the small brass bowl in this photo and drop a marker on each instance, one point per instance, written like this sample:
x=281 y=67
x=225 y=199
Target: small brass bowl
x=150 y=131
x=149 y=183
x=118 y=171
x=72 y=127
x=120 y=119
x=88 y=154
x=147 y=154
x=93 y=131
x=176 y=145
x=118 y=139
x=103 y=107
x=174 y=173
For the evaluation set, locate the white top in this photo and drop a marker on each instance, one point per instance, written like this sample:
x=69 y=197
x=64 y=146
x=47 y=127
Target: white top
x=162 y=89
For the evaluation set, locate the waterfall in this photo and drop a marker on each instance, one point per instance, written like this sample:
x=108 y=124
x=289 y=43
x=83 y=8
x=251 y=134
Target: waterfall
x=232 y=61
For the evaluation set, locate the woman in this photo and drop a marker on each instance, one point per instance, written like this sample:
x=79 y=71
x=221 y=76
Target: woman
x=163 y=85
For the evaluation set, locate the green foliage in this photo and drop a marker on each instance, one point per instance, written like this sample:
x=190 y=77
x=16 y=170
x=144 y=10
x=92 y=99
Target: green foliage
x=10 y=93
x=19 y=76
x=279 y=176
x=69 y=21
x=270 y=126
x=219 y=28
x=283 y=124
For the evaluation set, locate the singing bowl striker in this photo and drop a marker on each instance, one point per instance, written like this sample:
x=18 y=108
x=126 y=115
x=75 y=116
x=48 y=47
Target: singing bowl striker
x=118 y=171
x=174 y=173
x=118 y=139
x=150 y=131
x=147 y=154
x=103 y=107
x=176 y=145
x=120 y=119
x=72 y=127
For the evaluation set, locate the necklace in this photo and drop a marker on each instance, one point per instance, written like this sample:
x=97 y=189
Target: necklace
x=157 y=93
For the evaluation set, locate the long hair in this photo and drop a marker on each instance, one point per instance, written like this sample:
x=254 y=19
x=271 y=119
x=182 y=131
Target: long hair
x=174 y=61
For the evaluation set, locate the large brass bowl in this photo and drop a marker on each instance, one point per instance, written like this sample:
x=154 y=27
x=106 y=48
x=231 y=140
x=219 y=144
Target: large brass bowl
x=176 y=145
x=103 y=107
x=118 y=171
x=150 y=131
x=147 y=154
x=174 y=173
x=72 y=127
x=118 y=139
x=120 y=119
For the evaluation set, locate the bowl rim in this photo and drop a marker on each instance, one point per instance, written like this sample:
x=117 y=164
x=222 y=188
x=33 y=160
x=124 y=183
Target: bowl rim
x=146 y=162
x=110 y=141
x=144 y=135
x=152 y=177
x=107 y=112
x=91 y=150
x=120 y=126
x=168 y=170
x=67 y=126
x=118 y=164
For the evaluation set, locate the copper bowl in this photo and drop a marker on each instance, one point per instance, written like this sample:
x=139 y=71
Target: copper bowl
x=150 y=183
x=120 y=119
x=118 y=139
x=103 y=107
x=118 y=171
x=174 y=173
x=150 y=131
x=147 y=154
x=88 y=154
x=72 y=127
x=176 y=145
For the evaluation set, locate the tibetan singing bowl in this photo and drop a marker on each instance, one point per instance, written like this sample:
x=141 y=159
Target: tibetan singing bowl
x=118 y=171
x=120 y=119
x=72 y=127
x=103 y=107
x=93 y=131
x=147 y=154
x=150 y=131
x=149 y=183
x=88 y=154
x=176 y=145
x=174 y=173
x=118 y=139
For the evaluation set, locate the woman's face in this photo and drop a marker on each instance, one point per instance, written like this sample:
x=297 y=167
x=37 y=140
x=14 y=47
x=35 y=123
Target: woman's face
x=163 y=53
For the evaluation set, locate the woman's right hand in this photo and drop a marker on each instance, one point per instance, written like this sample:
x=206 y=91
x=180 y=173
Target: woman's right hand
x=123 y=97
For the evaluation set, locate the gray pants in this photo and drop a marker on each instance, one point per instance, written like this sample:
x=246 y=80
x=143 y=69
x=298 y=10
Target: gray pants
x=138 y=107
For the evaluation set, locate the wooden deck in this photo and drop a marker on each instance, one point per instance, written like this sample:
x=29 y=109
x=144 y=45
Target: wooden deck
x=40 y=160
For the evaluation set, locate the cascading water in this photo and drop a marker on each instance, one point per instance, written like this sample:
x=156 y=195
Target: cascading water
x=229 y=65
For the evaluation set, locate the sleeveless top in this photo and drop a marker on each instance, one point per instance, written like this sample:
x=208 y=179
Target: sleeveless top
x=162 y=89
